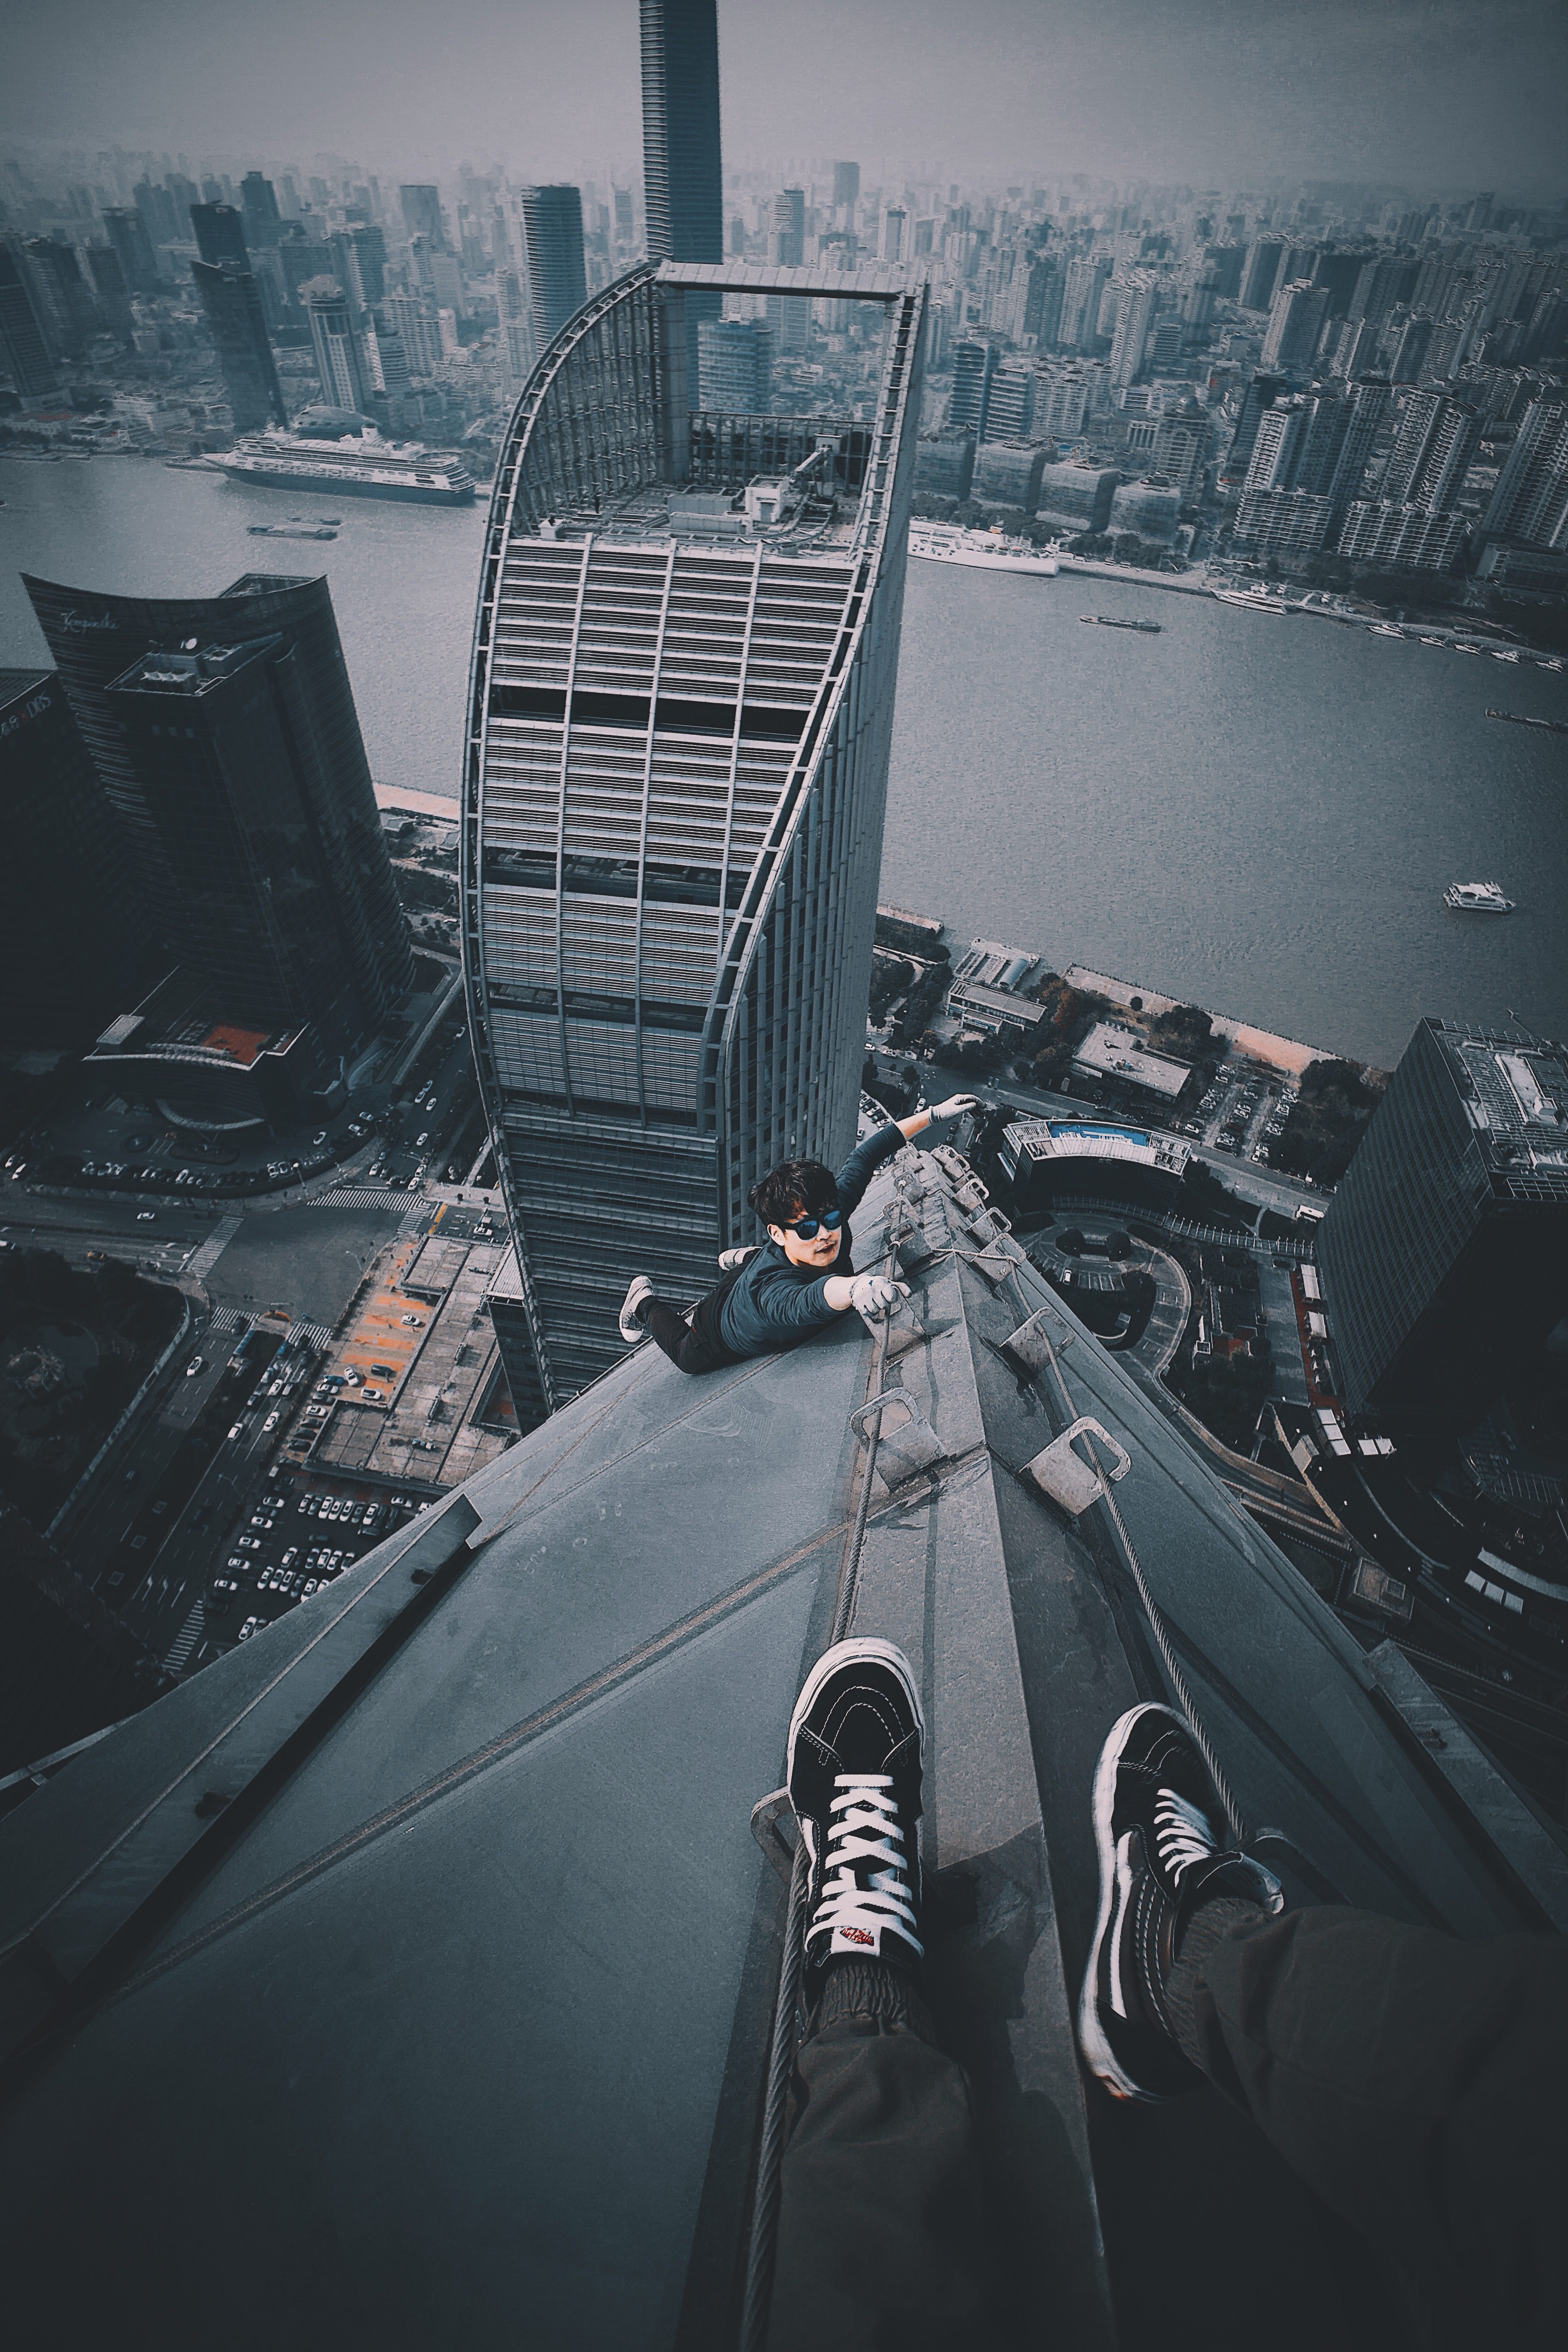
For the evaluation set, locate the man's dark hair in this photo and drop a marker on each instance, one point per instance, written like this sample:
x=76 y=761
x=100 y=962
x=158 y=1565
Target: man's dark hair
x=795 y=1187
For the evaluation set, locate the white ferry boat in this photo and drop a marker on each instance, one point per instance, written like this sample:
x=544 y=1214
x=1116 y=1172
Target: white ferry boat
x=987 y=551
x=360 y=464
x=1255 y=599
x=1477 y=898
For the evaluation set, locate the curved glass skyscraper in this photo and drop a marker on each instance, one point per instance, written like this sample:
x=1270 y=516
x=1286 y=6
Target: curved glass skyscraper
x=682 y=697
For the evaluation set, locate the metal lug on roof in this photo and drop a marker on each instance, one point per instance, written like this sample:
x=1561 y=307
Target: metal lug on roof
x=995 y=1262
x=1067 y=1477
x=988 y=1225
x=775 y=1829
x=903 y=1326
x=914 y=1252
x=909 y=1446
x=1033 y=1342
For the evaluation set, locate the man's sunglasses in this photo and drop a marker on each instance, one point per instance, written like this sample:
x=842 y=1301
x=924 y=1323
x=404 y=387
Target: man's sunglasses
x=809 y=1228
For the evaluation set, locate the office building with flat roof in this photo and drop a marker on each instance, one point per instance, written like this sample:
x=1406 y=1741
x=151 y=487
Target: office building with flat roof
x=220 y=236
x=673 y=800
x=552 y=219
x=127 y=233
x=24 y=353
x=682 y=178
x=734 y=363
x=1077 y=496
x=944 y=465
x=337 y=342
x=231 y=301
x=231 y=753
x=1008 y=473
x=421 y=207
x=1444 y=1255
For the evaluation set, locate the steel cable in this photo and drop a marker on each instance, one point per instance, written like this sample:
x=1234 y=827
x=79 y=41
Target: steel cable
x=786 y=2019
x=1151 y=1610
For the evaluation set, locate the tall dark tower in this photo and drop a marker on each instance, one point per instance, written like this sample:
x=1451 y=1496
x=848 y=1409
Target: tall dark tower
x=231 y=300
x=220 y=234
x=552 y=236
x=682 y=180
x=225 y=732
x=1444 y=1255
x=68 y=950
x=24 y=352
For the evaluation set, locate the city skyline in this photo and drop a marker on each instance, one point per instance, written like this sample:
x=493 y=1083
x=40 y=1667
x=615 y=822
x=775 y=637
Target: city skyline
x=1437 y=94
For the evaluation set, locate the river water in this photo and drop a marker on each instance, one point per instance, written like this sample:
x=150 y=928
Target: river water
x=1260 y=817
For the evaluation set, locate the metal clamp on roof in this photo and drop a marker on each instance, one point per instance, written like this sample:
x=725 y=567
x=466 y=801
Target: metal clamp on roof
x=901 y=1326
x=909 y=1446
x=1034 y=1342
x=994 y=1260
x=1066 y=1476
x=775 y=1827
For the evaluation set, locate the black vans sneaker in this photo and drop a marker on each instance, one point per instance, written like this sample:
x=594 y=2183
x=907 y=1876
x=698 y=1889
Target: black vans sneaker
x=854 y=1771
x=1160 y=1856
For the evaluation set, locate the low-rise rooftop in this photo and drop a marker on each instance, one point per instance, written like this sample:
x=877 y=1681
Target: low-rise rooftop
x=1113 y=1052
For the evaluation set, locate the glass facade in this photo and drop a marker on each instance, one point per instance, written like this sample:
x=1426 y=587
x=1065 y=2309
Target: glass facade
x=683 y=183
x=672 y=814
x=239 y=775
x=69 y=948
x=1444 y=1255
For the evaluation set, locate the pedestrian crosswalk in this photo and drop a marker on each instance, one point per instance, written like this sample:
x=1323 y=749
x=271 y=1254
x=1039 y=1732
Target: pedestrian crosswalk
x=311 y=1335
x=227 y=1318
x=365 y=1196
x=185 y=1641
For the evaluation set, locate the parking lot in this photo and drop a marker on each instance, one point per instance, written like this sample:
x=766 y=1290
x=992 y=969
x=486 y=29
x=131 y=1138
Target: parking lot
x=1243 y=1111
x=299 y=1537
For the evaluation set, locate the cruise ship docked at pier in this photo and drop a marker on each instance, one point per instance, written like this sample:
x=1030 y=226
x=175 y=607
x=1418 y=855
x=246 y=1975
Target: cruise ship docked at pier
x=363 y=465
x=987 y=551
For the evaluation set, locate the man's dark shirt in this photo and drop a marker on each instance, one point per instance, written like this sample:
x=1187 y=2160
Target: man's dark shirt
x=776 y=1303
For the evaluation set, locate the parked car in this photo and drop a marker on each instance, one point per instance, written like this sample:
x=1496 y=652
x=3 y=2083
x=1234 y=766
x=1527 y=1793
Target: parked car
x=146 y=1216
x=249 y=1543
x=251 y=1625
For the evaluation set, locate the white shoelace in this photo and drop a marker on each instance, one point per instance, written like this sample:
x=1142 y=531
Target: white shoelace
x=1181 y=1833
x=865 y=1830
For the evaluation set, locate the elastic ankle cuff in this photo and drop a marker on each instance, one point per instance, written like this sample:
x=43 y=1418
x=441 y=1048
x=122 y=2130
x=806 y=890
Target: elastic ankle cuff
x=870 y=1989
x=1208 y=1926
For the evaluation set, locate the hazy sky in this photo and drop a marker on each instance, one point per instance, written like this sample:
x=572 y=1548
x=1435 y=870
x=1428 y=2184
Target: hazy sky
x=1450 y=93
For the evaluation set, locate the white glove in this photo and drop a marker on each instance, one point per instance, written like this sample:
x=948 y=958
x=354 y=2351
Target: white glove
x=730 y=1259
x=955 y=1106
x=874 y=1293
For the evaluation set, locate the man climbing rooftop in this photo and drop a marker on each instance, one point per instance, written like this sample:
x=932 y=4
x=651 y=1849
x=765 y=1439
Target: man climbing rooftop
x=802 y=1278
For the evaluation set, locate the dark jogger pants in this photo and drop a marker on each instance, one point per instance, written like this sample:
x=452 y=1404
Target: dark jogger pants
x=692 y=1346
x=1417 y=2085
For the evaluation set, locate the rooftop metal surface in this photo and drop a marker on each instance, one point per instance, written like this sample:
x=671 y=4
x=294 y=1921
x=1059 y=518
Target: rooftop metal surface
x=406 y=1978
